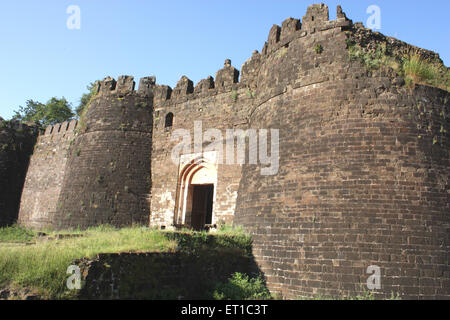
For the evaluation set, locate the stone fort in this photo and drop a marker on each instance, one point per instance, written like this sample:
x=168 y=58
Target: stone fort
x=363 y=175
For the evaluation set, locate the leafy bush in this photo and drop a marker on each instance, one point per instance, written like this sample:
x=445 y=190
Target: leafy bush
x=372 y=60
x=242 y=287
x=86 y=98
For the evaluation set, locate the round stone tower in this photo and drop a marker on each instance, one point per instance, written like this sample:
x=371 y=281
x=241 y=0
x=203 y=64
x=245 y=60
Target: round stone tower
x=361 y=198
x=108 y=176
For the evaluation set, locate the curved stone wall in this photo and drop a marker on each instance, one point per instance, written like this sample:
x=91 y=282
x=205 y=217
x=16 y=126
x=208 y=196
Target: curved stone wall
x=363 y=179
x=107 y=180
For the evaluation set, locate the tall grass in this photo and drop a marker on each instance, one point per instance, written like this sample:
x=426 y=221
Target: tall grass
x=16 y=233
x=43 y=266
x=418 y=69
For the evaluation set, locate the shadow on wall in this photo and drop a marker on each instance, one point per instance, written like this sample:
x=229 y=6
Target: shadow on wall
x=201 y=262
x=17 y=141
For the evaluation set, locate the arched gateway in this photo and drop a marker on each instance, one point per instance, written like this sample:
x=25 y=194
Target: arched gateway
x=196 y=192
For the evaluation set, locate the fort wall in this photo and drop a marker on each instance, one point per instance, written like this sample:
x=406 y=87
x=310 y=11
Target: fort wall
x=222 y=104
x=45 y=175
x=16 y=145
x=363 y=179
x=363 y=175
x=107 y=178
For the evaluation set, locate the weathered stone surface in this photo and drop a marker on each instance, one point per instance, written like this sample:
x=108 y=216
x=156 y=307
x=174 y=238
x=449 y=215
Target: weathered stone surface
x=45 y=175
x=364 y=162
x=16 y=145
x=227 y=76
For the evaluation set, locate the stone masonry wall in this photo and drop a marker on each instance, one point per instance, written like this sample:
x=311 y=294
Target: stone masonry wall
x=108 y=176
x=45 y=175
x=158 y=276
x=221 y=104
x=364 y=173
x=100 y=172
x=16 y=145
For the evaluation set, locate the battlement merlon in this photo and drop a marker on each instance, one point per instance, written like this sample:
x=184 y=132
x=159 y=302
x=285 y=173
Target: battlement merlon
x=184 y=87
x=316 y=19
x=226 y=77
x=316 y=15
x=204 y=85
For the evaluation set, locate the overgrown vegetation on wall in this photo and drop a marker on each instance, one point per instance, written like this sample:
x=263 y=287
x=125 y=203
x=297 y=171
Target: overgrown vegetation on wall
x=409 y=63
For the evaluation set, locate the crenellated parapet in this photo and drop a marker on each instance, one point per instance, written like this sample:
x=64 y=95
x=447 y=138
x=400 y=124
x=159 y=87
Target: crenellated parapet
x=125 y=85
x=316 y=19
x=230 y=79
x=61 y=128
x=227 y=80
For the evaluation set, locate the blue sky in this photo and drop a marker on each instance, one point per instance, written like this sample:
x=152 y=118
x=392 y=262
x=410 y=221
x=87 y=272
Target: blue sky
x=41 y=58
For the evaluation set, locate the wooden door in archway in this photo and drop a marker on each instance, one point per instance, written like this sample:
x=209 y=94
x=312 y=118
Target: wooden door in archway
x=202 y=203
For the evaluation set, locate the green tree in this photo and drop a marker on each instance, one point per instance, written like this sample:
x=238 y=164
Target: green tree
x=87 y=97
x=29 y=112
x=54 y=111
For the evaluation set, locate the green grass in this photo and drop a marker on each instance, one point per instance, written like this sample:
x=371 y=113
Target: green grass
x=365 y=295
x=231 y=230
x=16 y=234
x=423 y=71
x=226 y=237
x=43 y=266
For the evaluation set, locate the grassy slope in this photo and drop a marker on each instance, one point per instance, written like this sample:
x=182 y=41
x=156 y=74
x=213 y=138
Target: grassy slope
x=43 y=266
x=16 y=234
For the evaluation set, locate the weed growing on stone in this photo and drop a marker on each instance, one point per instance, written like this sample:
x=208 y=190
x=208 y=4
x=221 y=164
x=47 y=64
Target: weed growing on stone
x=234 y=96
x=318 y=49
